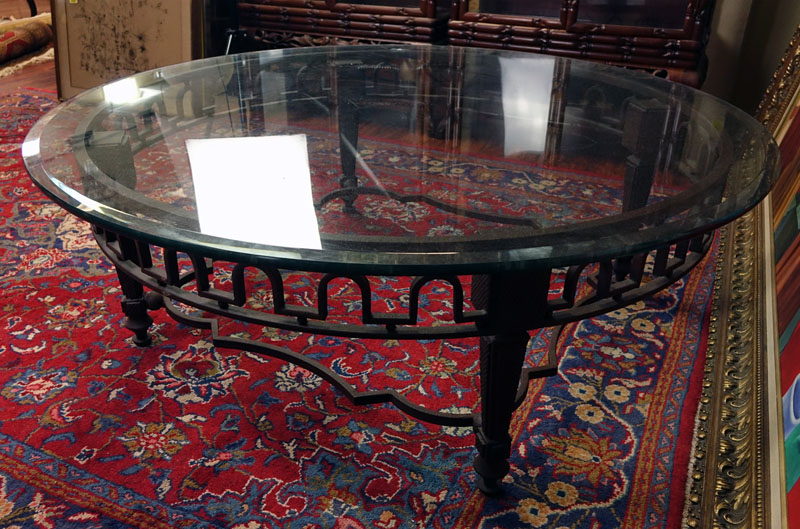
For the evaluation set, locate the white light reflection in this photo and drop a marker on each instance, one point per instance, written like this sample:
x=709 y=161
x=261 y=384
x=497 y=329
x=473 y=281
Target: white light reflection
x=527 y=89
x=121 y=92
x=30 y=148
x=255 y=189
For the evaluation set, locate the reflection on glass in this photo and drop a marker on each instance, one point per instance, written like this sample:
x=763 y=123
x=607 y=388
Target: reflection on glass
x=474 y=151
x=30 y=148
x=273 y=90
x=541 y=8
x=649 y=13
x=527 y=88
x=255 y=189
x=122 y=91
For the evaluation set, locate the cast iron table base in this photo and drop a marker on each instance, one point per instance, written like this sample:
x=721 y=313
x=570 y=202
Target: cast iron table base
x=505 y=306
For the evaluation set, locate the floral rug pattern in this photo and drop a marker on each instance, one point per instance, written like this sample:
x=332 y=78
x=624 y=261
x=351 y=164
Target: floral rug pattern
x=96 y=432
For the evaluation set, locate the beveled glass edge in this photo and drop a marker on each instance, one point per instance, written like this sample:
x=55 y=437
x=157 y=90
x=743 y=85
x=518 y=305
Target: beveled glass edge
x=394 y=262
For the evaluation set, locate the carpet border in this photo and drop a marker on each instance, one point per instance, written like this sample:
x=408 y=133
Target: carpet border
x=12 y=463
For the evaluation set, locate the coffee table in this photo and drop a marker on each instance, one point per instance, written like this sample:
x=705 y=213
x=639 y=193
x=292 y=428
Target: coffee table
x=537 y=191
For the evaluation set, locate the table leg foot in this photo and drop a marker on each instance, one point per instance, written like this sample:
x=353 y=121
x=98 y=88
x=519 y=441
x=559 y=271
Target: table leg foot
x=349 y=184
x=501 y=365
x=137 y=320
x=134 y=306
x=489 y=489
x=491 y=463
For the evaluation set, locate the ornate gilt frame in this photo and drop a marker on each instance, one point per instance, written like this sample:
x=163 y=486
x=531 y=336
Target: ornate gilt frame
x=736 y=477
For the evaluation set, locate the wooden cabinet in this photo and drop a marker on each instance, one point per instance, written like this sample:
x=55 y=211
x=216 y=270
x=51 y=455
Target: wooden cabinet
x=667 y=36
x=280 y=23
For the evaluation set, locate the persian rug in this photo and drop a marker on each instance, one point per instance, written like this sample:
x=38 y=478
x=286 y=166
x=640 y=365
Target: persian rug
x=22 y=37
x=96 y=432
x=37 y=57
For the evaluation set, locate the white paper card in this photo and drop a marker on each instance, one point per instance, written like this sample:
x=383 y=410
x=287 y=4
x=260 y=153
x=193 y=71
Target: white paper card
x=255 y=189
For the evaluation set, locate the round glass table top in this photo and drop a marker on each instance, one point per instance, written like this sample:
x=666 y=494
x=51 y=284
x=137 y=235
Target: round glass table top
x=401 y=159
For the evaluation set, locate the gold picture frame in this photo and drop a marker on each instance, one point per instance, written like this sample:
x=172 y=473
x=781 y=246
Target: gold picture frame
x=737 y=477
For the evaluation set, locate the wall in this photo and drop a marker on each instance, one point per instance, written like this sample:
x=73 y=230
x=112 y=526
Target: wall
x=748 y=38
x=725 y=46
x=770 y=28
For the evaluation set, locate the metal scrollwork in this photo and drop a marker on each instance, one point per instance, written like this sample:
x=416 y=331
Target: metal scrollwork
x=171 y=279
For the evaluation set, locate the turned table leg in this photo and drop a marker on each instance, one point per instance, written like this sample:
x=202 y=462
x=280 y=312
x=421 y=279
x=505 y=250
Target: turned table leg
x=501 y=365
x=349 y=93
x=135 y=308
x=514 y=301
x=134 y=304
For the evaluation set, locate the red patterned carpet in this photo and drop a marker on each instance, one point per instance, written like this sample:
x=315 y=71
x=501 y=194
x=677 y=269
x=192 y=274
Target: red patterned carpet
x=96 y=432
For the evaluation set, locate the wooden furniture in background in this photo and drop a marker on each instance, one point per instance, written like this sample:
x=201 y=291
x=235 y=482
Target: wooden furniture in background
x=284 y=23
x=668 y=36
